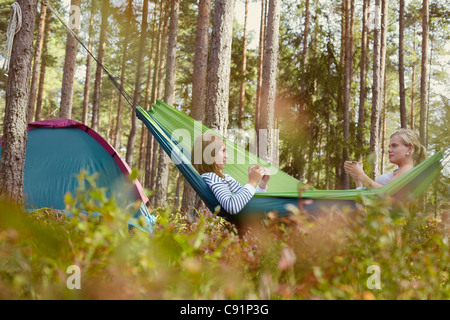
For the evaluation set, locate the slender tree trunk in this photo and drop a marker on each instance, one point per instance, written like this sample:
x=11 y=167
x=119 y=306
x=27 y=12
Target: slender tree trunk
x=87 y=81
x=37 y=62
x=162 y=182
x=401 y=65
x=159 y=89
x=70 y=64
x=305 y=46
x=152 y=144
x=99 y=73
x=110 y=117
x=190 y=198
x=376 y=90
x=138 y=83
x=243 y=69
x=40 y=92
x=262 y=38
x=413 y=95
x=383 y=128
x=163 y=55
x=145 y=135
x=116 y=135
x=12 y=164
x=362 y=84
x=424 y=75
x=269 y=85
x=219 y=66
x=348 y=67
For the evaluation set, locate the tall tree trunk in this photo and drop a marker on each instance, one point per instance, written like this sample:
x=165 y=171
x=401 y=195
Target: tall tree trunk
x=362 y=82
x=146 y=137
x=138 y=83
x=376 y=90
x=243 y=69
x=152 y=144
x=305 y=46
x=159 y=89
x=424 y=75
x=413 y=95
x=401 y=65
x=262 y=38
x=40 y=92
x=190 y=198
x=217 y=96
x=37 y=63
x=269 y=85
x=99 y=72
x=87 y=81
x=348 y=67
x=65 y=110
x=162 y=182
x=116 y=135
x=12 y=164
x=383 y=128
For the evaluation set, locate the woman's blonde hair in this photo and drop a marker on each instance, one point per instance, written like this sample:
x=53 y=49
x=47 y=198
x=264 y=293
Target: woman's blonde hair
x=411 y=138
x=203 y=161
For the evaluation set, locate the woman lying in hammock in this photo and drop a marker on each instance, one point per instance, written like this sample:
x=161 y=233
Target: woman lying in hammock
x=230 y=194
x=405 y=151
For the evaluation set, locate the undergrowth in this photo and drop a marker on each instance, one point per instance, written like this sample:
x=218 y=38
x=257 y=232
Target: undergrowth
x=381 y=251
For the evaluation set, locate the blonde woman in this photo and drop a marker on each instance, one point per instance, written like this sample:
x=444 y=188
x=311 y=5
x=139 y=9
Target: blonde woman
x=405 y=151
x=209 y=157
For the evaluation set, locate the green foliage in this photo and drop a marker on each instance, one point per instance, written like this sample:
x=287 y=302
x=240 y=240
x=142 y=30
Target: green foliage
x=288 y=258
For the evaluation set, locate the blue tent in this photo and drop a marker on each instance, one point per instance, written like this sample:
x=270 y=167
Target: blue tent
x=58 y=150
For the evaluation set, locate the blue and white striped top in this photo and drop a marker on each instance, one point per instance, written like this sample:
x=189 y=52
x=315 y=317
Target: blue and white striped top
x=232 y=196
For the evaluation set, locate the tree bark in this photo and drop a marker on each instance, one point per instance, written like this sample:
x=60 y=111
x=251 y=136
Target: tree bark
x=424 y=75
x=262 y=38
x=40 y=92
x=117 y=135
x=87 y=81
x=138 y=83
x=401 y=65
x=69 y=66
x=219 y=66
x=376 y=90
x=37 y=62
x=362 y=83
x=162 y=179
x=190 y=198
x=12 y=164
x=161 y=57
x=348 y=67
x=269 y=84
x=305 y=46
x=99 y=72
x=243 y=69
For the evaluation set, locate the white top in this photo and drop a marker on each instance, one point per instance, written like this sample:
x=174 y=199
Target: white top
x=232 y=196
x=385 y=178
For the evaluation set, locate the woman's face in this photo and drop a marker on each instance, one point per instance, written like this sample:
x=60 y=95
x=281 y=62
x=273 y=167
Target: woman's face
x=398 y=150
x=221 y=157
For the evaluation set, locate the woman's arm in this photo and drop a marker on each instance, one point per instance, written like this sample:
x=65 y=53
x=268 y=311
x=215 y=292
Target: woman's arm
x=232 y=203
x=360 y=177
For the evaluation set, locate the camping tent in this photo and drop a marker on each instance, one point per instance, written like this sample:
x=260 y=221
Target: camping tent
x=58 y=150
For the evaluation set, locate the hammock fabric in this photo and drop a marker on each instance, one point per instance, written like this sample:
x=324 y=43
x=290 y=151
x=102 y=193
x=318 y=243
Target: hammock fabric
x=176 y=132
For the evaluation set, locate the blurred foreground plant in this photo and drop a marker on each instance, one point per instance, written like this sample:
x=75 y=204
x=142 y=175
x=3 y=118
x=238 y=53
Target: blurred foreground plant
x=295 y=257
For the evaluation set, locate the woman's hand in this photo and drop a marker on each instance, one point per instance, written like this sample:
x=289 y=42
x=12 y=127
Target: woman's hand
x=355 y=171
x=265 y=178
x=255 y=175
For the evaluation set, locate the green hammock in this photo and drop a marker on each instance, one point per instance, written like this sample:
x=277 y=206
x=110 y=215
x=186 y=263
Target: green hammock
x=176 y=133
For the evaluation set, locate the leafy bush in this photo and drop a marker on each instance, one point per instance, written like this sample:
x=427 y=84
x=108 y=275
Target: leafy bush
x=334 y=256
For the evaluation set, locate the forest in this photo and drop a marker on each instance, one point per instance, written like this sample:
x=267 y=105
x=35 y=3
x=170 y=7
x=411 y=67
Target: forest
x=334 y=79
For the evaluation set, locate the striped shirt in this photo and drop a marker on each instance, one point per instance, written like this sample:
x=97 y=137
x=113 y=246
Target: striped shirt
x=232 y=196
